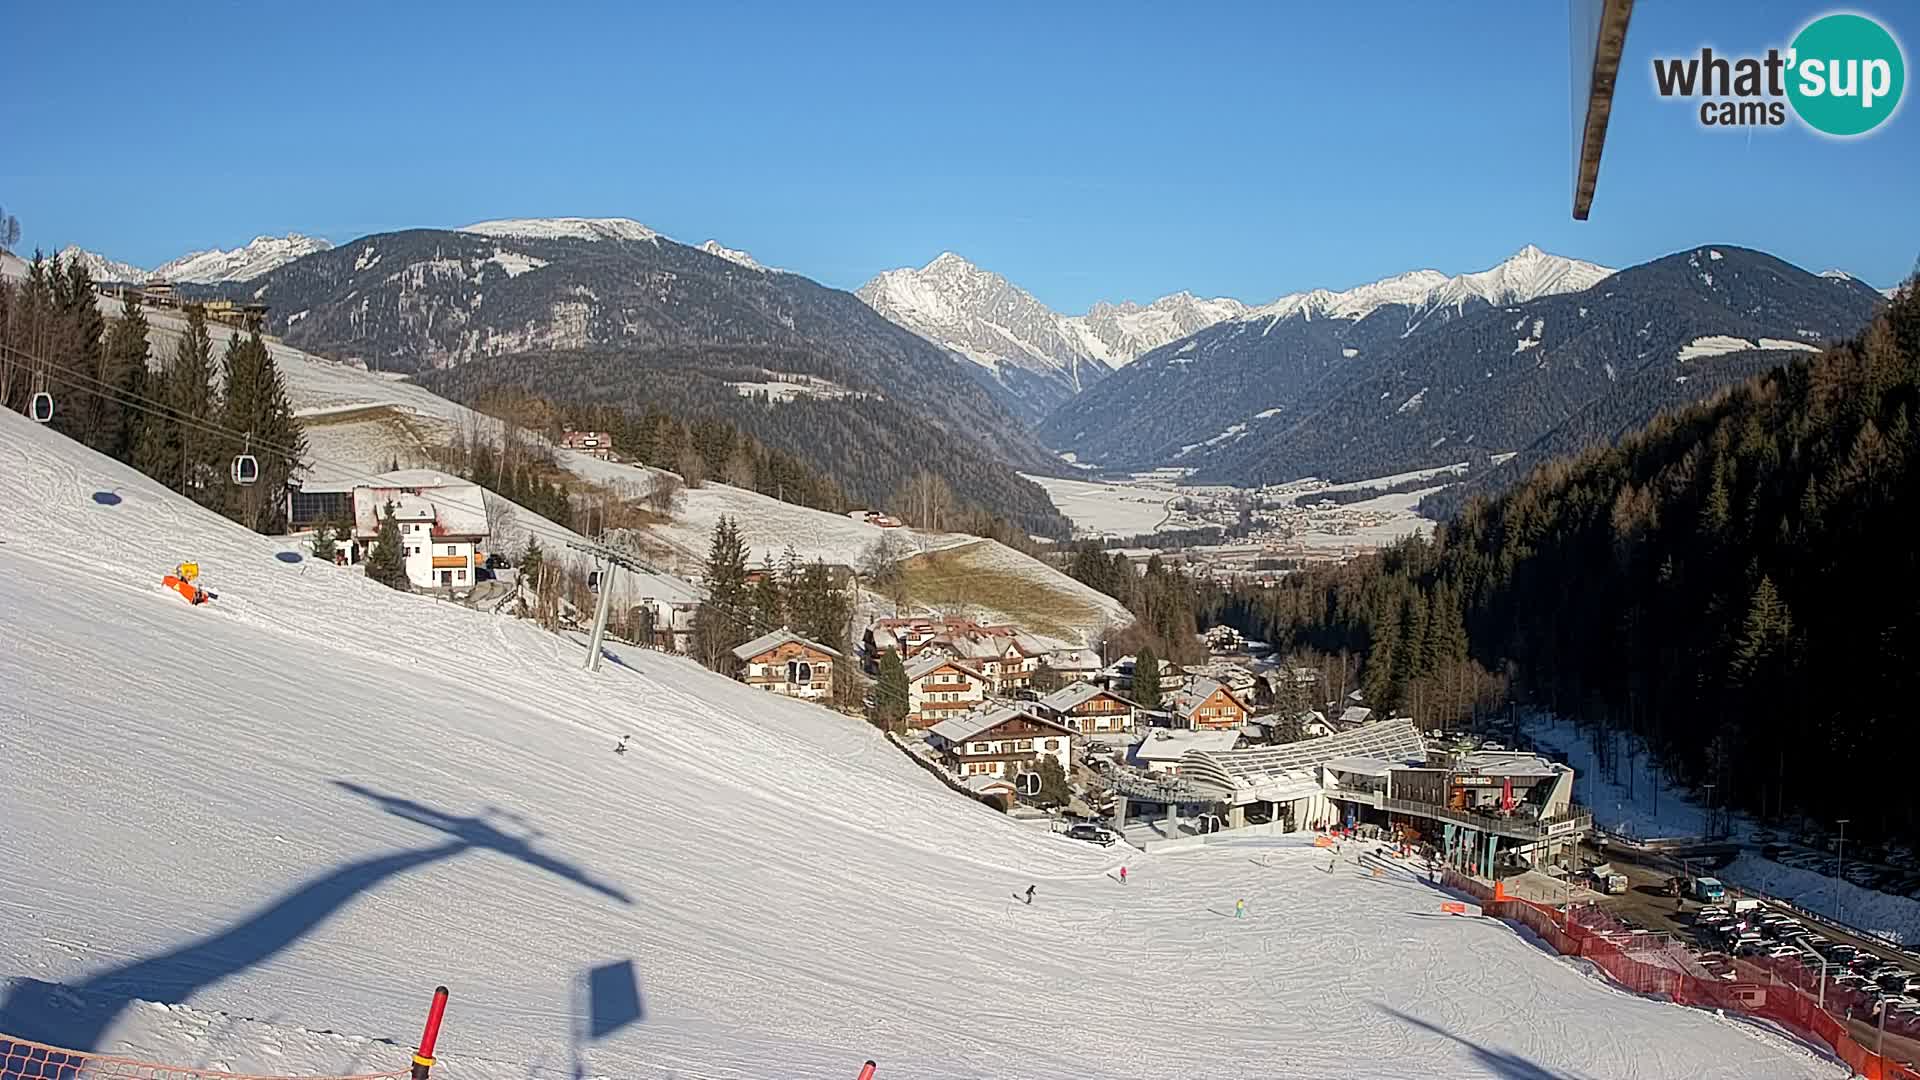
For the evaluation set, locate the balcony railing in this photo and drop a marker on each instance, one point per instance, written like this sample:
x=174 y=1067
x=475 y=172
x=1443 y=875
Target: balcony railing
x=1517 y=826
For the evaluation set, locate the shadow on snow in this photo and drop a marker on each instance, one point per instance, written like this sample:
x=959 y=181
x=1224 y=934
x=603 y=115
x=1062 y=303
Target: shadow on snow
x=77 y=1016
x=1502 y=1063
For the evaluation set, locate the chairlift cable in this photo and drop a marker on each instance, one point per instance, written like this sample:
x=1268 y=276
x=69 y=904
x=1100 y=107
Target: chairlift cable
x=79 y=381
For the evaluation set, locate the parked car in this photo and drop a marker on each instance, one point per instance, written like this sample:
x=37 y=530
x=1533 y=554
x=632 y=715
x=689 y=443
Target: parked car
x=497 y=561
x=1783 y=952
x=1093 y=834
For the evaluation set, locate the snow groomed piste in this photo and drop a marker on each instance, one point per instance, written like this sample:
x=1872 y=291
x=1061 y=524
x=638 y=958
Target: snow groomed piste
x=367 y=792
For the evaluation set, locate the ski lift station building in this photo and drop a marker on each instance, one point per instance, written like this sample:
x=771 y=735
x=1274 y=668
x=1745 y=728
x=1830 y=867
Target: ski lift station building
x=1481 y=807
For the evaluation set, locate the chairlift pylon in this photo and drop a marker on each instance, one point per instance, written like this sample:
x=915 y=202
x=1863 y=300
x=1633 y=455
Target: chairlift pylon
x=246 y=469
x=42 y=409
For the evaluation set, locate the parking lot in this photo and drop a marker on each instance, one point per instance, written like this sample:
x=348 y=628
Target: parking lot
x=1646 y=906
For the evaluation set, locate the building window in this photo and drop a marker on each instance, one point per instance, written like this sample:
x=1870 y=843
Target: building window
x=450 y=550
x=460 y=576
x=1024 y=744
x=799 y=671
x=1046 y=744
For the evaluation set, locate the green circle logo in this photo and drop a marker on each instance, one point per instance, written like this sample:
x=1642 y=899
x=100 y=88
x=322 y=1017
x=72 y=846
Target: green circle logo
x=1847 y=74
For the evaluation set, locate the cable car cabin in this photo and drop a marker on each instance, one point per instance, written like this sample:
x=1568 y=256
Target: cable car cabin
x=42 y=409
x=245 y=469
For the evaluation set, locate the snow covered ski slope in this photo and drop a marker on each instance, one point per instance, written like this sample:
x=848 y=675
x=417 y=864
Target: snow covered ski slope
x=253 y=835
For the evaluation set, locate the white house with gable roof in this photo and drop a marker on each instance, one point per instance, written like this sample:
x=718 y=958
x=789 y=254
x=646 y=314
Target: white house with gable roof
x=442 y=520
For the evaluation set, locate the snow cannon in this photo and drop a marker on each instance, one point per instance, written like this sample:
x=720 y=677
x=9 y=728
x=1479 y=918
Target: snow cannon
x=184 y=580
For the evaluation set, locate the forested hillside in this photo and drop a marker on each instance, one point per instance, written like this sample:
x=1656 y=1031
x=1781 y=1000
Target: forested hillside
x=1737 y=584
x=864 y=448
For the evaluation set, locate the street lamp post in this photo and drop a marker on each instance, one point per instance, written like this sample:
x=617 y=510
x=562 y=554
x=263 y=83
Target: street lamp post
x=1840 y=865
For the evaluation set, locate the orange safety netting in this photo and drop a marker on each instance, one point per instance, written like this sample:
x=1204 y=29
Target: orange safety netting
x=21 y=1059
x=1782 y=991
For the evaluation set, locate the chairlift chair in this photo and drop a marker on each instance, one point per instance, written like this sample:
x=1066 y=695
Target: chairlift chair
x=42 y=409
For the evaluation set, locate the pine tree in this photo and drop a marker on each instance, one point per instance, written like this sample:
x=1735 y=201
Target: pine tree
x=1146 y=679
x=127 y=352
x=256 y=403
x=94 y=416
x=190 y=403
x=724 y=620
x=890 y=693
x=768 y=607
x=530 y=561
x=387 y=563
x=1054 y=789
x=324 y=548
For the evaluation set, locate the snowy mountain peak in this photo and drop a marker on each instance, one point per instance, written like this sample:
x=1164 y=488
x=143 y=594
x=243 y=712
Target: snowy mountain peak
x=980 y=315
x=1527 y=274
x=257 y=257
x=101 y=267
x=732 y=255
x=565 y=228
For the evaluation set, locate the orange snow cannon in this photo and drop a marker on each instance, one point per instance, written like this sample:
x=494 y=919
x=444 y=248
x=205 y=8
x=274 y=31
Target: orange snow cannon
x=182 y=581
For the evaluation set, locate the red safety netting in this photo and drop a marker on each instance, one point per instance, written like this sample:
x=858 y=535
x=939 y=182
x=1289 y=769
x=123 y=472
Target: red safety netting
x=21 y=1059
x=1782 y=991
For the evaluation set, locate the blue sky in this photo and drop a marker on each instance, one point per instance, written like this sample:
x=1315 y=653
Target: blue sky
x=1086 y=151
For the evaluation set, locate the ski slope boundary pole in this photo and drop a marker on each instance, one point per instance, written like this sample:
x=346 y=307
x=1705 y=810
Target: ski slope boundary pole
x=866 y=1071
x=423 y=1058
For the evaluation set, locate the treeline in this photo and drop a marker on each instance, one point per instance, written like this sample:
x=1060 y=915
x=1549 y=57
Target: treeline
x=1734 y=587
x=1168 y=604
x=867 y=445
x=181 y=418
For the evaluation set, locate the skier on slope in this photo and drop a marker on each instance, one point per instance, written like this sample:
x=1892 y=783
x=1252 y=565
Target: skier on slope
x=1029 y=894
x=1123 y=875
x=621 y=746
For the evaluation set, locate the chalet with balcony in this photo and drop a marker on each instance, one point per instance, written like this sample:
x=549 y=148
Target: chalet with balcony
x=1089 y=709
x=783 y=662
x=1003 y=741
x=939 y=687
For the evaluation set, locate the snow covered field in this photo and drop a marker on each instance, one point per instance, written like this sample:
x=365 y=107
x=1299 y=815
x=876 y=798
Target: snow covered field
x=1115 y=509
x=254 y=835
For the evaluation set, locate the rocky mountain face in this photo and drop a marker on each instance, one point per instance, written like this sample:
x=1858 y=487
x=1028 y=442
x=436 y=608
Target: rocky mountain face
x=1033 y=357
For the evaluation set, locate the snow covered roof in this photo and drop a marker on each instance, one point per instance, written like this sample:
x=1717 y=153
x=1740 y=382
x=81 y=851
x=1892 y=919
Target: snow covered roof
x=1073 y=660
x=1363 y=766
x=456 y=507
x=774 y=639
x=1166 y=744
x=1262 y=767
x=927 y=663
x=958 y=729
x=985 y=783
x=1078 y=693
x=1188 y=701
x=1355 y=715
x=1507 y=763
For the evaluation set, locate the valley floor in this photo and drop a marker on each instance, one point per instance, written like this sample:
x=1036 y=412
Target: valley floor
x=253 y=836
